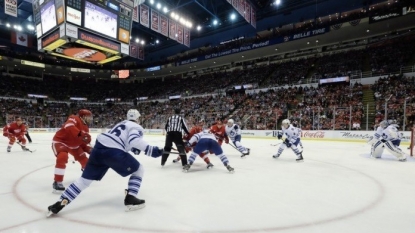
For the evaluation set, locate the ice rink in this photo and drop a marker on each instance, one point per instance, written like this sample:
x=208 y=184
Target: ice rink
x=337 y=189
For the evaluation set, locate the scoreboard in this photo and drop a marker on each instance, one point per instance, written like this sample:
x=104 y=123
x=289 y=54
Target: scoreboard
x=47 y=15
x=98 y=27
x=109 y=18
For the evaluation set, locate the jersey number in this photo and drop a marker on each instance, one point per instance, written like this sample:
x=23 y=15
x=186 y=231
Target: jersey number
x=117 y=130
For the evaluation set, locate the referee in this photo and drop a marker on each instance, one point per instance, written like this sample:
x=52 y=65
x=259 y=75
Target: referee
x=174 y=126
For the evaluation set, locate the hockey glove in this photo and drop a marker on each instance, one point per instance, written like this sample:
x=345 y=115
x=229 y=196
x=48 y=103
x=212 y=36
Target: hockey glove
x=153 y=151
x=135 y=151
x=287 y=143
x=6 y=134
x=85 y=137
x=226 y=141
x=279 y=135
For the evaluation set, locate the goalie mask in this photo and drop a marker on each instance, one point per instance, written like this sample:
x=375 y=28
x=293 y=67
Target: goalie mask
x=384 y=124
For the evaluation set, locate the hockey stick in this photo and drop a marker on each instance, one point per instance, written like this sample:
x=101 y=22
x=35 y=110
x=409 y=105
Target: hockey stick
x=276 y=144
x=171 y=152
x=243 y=155
x=27 y=149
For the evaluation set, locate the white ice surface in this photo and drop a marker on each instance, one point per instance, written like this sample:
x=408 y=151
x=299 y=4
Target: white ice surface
x=337 y=189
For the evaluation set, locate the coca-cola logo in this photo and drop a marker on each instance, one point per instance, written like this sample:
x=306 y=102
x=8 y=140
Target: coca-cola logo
x=317 y=134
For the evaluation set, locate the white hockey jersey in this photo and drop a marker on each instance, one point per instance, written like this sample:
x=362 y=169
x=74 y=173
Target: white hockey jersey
x=201 y=135
x=291 y=133
x=126 y=135
x=391 y=133
x=378 y=132
x=233 y=131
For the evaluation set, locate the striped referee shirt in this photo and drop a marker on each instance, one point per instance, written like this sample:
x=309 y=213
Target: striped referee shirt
x=176 y=123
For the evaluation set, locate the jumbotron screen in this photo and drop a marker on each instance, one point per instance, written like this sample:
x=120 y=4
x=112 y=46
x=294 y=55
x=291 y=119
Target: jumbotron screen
x=110 y=18
x=47 y=15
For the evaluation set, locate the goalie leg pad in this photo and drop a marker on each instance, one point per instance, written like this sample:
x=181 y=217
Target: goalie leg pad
x=377 y=150
x=396 y=151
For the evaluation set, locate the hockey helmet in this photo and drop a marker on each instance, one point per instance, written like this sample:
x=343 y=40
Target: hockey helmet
x=230 y=122
x=219 y=123
x=19 y=121
x=384 y=124
x=85 y=115
x=391 y=122
x=285 y=123
x=133 y=115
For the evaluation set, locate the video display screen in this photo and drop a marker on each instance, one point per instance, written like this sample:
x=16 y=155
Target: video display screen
x=100 y=20
x=48 y=16
x=123 y=73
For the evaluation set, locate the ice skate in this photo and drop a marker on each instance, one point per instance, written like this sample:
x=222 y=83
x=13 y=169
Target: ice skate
x=58 y=206
x=276 y=156
x=9 y=149
x=300 y=158
x=245 y=153
x=402 y=160
x=209 y=166
x=58 y=187
x=186 y=168
x=132 y=203
x=230 y=169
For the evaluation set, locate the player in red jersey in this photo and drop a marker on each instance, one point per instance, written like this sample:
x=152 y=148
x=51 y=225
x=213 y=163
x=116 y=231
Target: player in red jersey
x=15 y=131
x=73 y=138
x=219 y=131
x=204 y=155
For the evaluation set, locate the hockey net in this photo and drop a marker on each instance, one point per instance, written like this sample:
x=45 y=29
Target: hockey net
x=412 y=143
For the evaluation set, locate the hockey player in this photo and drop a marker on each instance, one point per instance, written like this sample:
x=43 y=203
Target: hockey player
x=73 y=138
x=219 y=131
x=291 y=137
x=15 y=131
x=204 y=155
x=295 y=124
x=378 y=134
x=390 y=139
x=206 y=141
x=112 y=150
x=233 y=131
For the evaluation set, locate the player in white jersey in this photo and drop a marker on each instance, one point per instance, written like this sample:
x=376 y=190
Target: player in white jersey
x=291 y=139
x=205 y=141
x=295 y=124
x=390 y=138
x=378 y=135
x=112 y=150
x=234 y=133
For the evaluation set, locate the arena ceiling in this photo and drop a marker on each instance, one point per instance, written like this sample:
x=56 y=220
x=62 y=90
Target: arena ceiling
x=200 y=12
